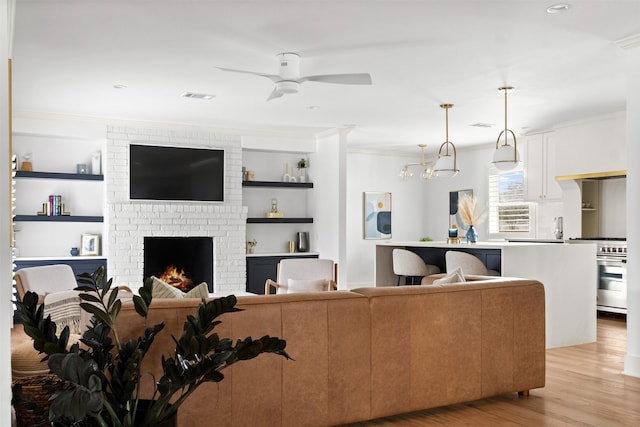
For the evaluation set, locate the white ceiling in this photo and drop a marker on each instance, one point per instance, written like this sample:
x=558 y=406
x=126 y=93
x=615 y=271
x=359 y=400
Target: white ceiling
x=68 y=55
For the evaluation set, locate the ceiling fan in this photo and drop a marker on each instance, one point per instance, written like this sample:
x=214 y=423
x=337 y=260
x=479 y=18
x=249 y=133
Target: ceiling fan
x=288 y=78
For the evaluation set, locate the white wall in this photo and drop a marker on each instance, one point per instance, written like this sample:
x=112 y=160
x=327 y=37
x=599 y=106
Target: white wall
x=327 y=202
x=376 y=172
x=632 y=358
x=474 y=175
x=613 y=207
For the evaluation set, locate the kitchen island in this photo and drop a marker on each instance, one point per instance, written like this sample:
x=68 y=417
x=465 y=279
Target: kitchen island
x=568 y=272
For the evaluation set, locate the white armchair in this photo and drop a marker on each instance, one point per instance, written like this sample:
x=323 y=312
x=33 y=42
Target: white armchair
x=54 y=285
x=297 y=275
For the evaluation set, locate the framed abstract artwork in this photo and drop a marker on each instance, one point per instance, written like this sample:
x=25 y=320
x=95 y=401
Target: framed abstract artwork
x=376 y=219
x=454 y=217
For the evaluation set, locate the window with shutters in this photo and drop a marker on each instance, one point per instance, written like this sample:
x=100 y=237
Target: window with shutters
x=508 y=211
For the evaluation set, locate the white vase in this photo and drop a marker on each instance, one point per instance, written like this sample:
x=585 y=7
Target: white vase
x=302 y=174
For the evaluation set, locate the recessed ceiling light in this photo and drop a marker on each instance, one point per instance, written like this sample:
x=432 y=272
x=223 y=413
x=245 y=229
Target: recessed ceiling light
x=197 y=95
x=558 y=8
x=313 y=107
x=119 y=86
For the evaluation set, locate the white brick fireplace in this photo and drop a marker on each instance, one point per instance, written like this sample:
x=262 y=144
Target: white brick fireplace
x=129 y=222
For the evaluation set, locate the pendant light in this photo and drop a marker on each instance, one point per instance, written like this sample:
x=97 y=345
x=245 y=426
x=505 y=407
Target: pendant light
x=506 y=156
x=447 y=163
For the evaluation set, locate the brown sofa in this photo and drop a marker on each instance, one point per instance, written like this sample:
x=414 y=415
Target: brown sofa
x=365 y=353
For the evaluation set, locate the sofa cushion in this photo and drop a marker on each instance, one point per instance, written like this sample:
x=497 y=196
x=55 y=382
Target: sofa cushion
x=162 y=289
x=456 y=276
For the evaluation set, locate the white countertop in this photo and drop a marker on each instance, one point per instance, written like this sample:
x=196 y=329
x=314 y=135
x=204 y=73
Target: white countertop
x=489 y=244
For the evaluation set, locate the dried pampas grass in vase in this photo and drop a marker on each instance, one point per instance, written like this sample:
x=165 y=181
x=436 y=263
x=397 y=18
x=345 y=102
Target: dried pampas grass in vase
x=472 y=215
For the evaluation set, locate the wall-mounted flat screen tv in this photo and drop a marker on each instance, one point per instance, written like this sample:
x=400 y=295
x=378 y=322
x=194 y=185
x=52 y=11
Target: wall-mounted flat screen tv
x=176 y=173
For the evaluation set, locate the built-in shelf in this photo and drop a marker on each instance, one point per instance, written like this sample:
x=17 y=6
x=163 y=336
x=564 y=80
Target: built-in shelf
x=59 y=175
x=589 y=210
x=279 y=220
x=58 y=218
x=277 y=184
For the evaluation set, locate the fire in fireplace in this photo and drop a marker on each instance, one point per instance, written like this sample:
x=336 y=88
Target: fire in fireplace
x=183 y=262
x=175 y=277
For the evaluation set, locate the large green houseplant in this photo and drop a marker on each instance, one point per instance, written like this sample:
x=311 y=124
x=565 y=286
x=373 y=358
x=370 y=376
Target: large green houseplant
x=102 y=375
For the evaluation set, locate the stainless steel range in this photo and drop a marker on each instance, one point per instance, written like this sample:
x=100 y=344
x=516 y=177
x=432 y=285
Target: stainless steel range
x=612 y=273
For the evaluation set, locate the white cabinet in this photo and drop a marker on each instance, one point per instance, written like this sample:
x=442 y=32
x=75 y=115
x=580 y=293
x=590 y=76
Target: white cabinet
x=540 y=168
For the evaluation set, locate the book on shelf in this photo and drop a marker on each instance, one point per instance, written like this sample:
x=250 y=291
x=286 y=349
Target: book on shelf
x=55 y=206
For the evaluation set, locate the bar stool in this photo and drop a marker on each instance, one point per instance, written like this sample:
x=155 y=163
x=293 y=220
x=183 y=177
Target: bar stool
x=409 y=264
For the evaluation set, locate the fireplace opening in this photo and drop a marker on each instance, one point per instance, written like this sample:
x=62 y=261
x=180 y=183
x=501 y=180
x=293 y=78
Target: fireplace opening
x=183 y=262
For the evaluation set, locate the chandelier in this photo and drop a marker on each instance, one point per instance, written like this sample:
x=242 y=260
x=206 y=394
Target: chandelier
x=506 y=156
x=427 y=167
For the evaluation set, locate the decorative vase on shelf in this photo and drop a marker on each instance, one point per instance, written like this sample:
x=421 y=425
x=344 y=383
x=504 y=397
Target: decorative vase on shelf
x=302 y=165
x=472 y=234
x=302 y=174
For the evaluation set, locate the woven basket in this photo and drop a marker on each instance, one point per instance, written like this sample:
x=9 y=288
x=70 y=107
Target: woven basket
x=31 y=399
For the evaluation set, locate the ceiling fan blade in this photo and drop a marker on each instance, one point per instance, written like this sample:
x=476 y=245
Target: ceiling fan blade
x=345 y=79
x=274 y=94
x=274 y=78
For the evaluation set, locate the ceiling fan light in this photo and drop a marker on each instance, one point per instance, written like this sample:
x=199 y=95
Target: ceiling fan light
x=506 y=157
x=287 y=87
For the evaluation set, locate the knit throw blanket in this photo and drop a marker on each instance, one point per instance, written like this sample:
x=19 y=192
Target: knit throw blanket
x=64 y=309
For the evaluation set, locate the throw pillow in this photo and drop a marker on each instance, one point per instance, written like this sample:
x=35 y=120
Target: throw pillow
x=295 y=286
x=200 y=291
x=456 y=276
x=162 y=289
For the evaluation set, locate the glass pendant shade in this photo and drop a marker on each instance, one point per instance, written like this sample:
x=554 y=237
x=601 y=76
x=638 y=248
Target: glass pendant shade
x=446 y=167
x=427 y=173
x=405 y=173
x=506 y=157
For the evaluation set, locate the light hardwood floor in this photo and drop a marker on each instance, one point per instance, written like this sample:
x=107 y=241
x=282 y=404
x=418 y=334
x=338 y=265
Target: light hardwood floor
x=584 y=387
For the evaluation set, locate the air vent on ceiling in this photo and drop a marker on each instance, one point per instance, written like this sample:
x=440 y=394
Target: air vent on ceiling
x=482 y=125
x=197 y=95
